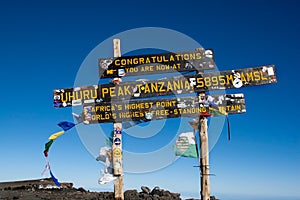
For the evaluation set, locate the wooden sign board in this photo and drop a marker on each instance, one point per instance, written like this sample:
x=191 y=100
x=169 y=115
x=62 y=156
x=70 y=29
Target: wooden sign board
x=165 y=87
x=75 y=96
x=156 y=109
x=189 y=84
x=197 y=60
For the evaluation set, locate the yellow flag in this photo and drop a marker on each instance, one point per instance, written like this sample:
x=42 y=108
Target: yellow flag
x=56 y=135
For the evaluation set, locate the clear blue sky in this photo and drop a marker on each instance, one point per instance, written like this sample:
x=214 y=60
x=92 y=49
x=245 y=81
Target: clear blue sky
x=43 y=45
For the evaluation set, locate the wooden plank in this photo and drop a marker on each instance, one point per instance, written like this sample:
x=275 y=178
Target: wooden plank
x=163 y=108
x=197 y=60
x=165 y=87
x=188 y=84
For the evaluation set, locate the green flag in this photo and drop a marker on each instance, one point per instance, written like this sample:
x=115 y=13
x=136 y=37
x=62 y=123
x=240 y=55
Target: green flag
x=186 y=145
x=215 y=112
x=48 y=144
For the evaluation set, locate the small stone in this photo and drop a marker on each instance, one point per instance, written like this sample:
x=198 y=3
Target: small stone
x=81 y=189
x=145 y=189
x=156 y=191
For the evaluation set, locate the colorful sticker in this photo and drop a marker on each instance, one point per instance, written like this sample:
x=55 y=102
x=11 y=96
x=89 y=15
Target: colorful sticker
x=117 y=141
x=148 y=116
x=87 y=113
x=118 y=131
x=121 y=72
x=117 y=153
x=117 y=164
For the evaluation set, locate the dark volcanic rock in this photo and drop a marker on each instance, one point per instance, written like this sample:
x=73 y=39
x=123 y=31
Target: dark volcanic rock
x=131 y=195
x=81 y=189
x=106 y=195
x=80 y=193
x=156 y=191
x=145 y=196
x=46 y=190
x=155 y=194
x=145 y=189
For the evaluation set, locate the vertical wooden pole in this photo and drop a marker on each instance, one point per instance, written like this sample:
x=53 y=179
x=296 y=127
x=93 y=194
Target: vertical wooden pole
x=117 y=147
x=199 y=158
x=204 y=160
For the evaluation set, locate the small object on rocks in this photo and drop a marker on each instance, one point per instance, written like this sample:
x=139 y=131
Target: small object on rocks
x=166 y=193
x=131 y=194
x=156 y=191
x=145 y=189
x=81 y=189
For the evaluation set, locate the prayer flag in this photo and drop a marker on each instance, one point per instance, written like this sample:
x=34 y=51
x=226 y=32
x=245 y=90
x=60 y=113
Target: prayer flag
x=66 y=125
x=54 y=179
x=56 y=135
x=186 y=145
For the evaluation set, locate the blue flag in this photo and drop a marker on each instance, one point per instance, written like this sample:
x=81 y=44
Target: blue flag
x=66 y=125
x=54 y=179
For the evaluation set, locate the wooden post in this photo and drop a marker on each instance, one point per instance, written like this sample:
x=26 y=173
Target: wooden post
x=204 y=161
x=117 y=147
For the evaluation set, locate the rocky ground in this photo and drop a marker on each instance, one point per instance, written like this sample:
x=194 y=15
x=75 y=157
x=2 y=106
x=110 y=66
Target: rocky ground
x=44 y=189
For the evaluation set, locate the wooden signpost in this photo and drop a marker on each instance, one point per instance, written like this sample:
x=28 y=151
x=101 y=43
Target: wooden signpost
x=117 y=152
x=204 y=159
x=118 y=102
